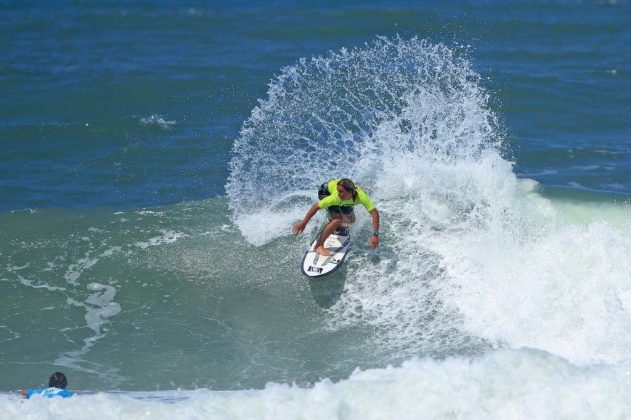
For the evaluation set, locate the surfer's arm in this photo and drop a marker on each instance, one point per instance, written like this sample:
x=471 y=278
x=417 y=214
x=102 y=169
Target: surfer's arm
x=300 y=226
x=374 y=238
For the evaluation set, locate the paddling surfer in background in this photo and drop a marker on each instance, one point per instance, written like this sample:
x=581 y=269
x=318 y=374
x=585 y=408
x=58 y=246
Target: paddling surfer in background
x=338 y=197
x=56 y=388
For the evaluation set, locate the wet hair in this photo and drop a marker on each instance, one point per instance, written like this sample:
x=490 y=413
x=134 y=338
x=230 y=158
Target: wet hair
x=348 y=185
x=57 y=380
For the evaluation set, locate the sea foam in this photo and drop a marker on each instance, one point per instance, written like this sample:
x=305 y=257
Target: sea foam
x=503 y=384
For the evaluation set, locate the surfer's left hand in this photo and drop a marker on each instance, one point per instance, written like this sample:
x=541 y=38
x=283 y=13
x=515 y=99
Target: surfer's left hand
x=374 y=241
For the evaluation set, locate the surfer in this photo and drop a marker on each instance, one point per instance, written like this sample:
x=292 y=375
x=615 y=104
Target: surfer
x=338 y=197
x=56 y=388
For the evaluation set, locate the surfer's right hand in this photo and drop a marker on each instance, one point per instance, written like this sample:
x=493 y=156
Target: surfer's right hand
x=298 y=227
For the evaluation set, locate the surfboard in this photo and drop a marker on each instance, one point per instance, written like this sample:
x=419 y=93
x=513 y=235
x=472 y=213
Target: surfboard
x=316 y=265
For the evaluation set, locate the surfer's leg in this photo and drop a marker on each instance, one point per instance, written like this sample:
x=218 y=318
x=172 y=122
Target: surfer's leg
x=328 y=230
x=348 y=217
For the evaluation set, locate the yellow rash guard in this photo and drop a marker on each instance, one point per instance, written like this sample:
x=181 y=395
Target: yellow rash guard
x=334 y=198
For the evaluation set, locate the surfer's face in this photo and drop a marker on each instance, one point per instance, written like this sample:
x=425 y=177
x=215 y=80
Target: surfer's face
x=344 y=195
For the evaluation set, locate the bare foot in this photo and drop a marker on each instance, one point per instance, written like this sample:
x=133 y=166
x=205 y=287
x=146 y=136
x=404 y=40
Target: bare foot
x=323 y=251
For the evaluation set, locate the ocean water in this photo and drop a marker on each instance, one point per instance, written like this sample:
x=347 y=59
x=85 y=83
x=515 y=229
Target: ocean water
x=153 y=156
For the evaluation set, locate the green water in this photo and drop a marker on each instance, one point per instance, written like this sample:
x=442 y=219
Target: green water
x=199 y=307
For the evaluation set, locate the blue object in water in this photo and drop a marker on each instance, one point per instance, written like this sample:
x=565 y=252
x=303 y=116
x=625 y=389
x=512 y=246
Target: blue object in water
x=49 y=392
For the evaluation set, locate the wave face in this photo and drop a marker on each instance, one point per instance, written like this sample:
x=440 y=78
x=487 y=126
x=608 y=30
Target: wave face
x=471 y=257
x=410 y=122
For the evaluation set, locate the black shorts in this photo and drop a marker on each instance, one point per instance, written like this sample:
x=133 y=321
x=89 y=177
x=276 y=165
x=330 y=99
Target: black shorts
x=333 y=210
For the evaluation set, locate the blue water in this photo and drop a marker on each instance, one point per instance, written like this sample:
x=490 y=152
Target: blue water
x=154 y=154
x=79 y=78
